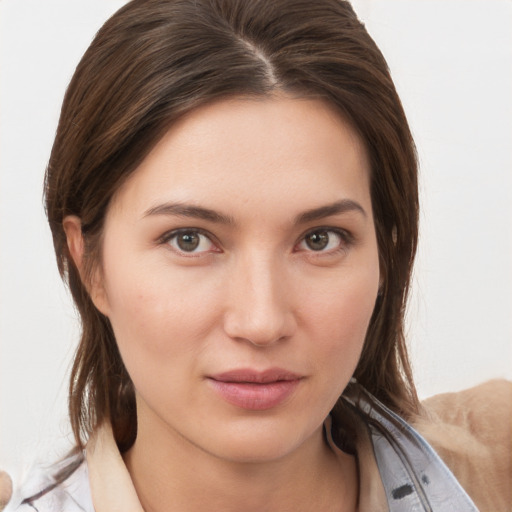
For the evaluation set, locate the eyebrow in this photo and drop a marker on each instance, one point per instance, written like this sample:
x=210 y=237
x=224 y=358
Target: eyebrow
x=198 y=212
x=187 y=210
x=339 y=207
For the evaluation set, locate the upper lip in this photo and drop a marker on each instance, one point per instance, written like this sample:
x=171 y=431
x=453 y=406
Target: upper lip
x=256 y=376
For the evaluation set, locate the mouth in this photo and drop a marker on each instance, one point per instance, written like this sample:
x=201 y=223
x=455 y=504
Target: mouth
x=255 y=390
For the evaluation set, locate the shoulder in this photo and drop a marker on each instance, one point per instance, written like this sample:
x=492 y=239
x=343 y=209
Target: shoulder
x=62 y=487
x=471 y=431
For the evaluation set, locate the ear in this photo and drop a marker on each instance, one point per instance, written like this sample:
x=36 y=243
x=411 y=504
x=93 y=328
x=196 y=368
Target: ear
x=73 y=228
x=94 y=283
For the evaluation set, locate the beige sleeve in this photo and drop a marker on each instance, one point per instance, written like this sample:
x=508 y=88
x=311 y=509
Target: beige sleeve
x=472 y=432
x=5 y=489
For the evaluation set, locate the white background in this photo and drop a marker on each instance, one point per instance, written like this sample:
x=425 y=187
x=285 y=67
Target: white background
x=452 y=64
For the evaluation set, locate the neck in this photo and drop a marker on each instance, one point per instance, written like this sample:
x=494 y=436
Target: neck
x=171 y=474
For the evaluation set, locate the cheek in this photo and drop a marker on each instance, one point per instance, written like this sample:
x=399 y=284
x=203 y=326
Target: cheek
x=157 y=312
x=160 y=328
x=339 y=315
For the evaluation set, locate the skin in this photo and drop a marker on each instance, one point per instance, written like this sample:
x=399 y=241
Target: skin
x=255 y=293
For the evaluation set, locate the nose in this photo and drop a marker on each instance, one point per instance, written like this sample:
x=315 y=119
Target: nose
x=259 y=303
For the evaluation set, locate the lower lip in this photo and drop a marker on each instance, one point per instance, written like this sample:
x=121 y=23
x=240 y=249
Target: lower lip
x=254 y=396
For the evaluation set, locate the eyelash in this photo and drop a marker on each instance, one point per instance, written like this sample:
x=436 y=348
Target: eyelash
x=347 y=239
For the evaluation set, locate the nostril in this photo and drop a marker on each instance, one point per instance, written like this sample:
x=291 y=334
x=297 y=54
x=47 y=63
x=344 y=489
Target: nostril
x=261 y=331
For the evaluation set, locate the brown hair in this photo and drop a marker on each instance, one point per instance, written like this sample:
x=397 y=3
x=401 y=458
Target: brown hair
x=155 y=60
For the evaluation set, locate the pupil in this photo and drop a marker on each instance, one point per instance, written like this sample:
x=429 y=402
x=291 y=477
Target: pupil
x=188 y=241
x=317 y=241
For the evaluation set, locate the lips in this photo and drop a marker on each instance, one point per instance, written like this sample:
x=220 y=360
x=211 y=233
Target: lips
x=255 y=390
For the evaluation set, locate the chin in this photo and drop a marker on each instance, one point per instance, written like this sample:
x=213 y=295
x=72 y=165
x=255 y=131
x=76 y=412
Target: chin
x=258 y=441
x=253 y=452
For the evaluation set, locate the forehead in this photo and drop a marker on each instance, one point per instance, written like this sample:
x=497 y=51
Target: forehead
x=254 y=153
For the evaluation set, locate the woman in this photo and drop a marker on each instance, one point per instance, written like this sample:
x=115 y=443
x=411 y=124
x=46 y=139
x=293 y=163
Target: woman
x=232 y=194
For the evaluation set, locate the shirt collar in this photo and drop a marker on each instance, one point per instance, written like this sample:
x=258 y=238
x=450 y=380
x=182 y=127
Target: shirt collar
x=112 y=488
x=372 y=496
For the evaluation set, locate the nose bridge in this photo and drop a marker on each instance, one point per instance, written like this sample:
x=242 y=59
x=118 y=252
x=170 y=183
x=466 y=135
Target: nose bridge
x=259 y=304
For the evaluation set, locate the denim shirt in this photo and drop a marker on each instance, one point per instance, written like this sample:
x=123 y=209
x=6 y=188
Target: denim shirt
x=414 y=477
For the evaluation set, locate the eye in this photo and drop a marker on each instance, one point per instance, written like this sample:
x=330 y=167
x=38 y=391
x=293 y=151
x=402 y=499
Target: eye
x=324 y=240
x=190 y=241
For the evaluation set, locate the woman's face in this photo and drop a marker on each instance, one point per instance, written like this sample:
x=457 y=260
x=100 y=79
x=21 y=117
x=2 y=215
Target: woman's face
x=239 y=272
